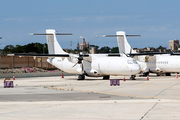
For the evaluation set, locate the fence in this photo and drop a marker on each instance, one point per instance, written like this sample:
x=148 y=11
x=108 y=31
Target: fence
x=17 y=62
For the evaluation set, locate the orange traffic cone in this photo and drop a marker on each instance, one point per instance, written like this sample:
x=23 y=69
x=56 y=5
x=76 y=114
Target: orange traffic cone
x=124 y=79
x=4 y=79
x=176 y=75
x=13 y=77
x=62 y=76
x=147 y=77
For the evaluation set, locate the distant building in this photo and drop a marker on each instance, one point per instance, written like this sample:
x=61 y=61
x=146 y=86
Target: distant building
x=93 y=50
x=83 y=44
x=174 y=44
x=150 y=49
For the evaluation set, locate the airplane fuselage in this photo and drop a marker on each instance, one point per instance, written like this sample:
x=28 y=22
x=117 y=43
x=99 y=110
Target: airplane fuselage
x=100 y=65
x=160 y=63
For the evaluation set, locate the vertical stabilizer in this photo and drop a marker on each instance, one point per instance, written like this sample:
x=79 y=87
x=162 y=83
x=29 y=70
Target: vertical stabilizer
x=120 y=41
x=53 y=45
x=123 y=44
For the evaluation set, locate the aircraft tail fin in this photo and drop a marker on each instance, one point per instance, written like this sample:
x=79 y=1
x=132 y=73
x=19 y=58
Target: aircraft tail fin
x=53 y=45
x=123 y=45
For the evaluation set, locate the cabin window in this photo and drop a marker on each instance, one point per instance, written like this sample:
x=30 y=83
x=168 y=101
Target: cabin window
x=135 y=62
x=132 y=62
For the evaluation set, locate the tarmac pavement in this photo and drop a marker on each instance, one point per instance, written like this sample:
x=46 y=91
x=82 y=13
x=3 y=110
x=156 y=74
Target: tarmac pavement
x=45 y=98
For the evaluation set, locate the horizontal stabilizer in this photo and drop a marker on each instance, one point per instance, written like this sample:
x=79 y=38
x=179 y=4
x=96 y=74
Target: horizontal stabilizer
x=133 y=35
x=121 y=35
x=50 y=34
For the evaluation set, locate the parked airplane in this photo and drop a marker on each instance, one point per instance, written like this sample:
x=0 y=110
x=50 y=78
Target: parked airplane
x=158 y=63
x=93 y=65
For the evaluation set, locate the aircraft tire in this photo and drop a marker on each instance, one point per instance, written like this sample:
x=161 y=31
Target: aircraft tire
x=145 y=74
x=168 y=74
x=106 y=77
x=81 y=77
x=132 y=77
x=158 y=74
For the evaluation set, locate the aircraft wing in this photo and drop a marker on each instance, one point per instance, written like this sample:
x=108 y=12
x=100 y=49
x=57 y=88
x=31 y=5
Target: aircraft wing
x=45 y=55
x=175 y=53
x=138 y=54
x=148 y=53
x=39 y=55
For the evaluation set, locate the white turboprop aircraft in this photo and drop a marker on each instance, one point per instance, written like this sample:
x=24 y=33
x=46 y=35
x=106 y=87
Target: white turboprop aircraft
x=150 y=62
x=93 y=65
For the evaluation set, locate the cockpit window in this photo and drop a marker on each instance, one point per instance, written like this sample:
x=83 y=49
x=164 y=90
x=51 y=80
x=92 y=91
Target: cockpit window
x=132 y=62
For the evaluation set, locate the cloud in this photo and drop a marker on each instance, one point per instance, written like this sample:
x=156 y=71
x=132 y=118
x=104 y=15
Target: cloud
x=70 y=19
x=100 y=18
x=13 y=19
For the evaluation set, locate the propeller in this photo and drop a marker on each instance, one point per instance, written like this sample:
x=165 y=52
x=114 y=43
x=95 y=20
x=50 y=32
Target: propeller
x=80 y=59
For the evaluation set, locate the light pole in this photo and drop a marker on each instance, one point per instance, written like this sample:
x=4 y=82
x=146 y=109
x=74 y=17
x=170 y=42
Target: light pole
x=43 y=48
x=176 y=45
x=43 y=57
x=89 y=41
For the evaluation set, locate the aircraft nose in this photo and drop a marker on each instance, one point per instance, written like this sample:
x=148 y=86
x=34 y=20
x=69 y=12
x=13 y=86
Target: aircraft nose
x=136 y=69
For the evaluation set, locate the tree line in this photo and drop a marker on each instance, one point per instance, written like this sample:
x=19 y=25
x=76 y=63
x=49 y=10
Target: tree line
x=29 y=48
x=40 y=48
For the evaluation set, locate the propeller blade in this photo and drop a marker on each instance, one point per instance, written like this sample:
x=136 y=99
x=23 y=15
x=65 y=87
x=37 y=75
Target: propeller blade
x=74 y=64
x=82 y=67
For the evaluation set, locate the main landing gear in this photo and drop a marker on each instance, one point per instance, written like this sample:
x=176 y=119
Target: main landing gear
x=163 y=74
x=81 y=77
x=132 y=77
x=106 y=77
x=145 y=74
x=168 y=74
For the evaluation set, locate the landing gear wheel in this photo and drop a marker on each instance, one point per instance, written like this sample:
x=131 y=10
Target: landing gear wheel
x=106 y=77
x=168 y=74
x=81 y=77
x=132 y=77
x=158 y=74
x=145 y=74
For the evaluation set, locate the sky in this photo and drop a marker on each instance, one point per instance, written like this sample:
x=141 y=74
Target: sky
x=157 y=21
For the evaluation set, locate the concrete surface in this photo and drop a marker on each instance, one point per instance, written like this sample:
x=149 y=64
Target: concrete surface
x=40 y=74
x=56 y=98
